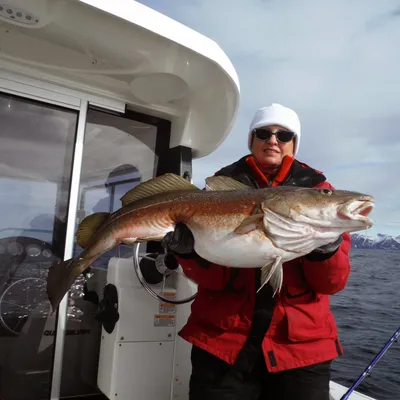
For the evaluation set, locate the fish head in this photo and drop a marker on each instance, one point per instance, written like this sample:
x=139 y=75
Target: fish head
x=320 y=209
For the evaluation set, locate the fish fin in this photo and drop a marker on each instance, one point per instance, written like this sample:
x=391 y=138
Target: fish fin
x=132 y=241
x=160 y=184
x=129 y=241
x=59 y=279
x=249 y=224
x=276 y=280
x=88 y=227
x=272 y=273
x=218 y=182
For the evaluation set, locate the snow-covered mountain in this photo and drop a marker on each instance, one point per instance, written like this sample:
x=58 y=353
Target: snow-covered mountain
x=380 y=241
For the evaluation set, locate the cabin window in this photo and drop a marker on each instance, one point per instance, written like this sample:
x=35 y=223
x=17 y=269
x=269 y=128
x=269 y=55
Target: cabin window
x=37 y=142
x=119 y=152
x=36 y=152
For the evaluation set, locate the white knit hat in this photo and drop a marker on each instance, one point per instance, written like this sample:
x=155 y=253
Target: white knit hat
x=276 y=114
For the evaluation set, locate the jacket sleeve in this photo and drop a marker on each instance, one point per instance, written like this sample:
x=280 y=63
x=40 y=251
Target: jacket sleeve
x=329 y=276
x=208 y=275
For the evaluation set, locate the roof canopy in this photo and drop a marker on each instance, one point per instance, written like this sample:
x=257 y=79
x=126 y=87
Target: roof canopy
x=126 y=51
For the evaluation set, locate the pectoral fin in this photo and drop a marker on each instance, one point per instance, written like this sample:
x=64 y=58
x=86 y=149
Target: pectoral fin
x=250 y=224
x=272 y=273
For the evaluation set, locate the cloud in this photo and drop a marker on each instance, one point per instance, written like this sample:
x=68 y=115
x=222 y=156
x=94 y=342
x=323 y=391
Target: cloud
x=336 y=63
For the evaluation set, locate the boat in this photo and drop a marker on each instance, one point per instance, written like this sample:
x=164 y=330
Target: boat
x=95 y=97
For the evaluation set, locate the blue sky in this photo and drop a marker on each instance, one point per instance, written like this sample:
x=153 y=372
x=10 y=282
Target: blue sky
x=336 y=63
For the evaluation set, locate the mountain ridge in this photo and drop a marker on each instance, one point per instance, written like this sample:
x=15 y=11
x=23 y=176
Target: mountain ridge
x=381 y=241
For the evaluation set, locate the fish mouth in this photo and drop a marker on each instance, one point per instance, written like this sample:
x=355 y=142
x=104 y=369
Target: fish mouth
x=358 y=210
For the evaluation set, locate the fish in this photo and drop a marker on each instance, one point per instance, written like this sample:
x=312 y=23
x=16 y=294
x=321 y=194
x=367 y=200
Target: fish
x=232 y=224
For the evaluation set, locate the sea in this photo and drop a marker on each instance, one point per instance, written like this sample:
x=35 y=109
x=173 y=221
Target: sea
x=367 y=313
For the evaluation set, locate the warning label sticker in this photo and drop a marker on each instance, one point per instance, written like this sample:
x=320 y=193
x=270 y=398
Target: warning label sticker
x=167 y=308
x=169 y=295
x=164 y=320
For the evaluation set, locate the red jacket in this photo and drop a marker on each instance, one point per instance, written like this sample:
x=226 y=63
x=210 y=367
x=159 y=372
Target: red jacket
x=302 y=330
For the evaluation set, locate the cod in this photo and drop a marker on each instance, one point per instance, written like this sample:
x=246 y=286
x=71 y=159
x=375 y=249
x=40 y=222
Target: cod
x=233 y=225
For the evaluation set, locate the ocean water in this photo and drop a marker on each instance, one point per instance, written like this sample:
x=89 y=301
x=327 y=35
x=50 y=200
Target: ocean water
x=367 y=312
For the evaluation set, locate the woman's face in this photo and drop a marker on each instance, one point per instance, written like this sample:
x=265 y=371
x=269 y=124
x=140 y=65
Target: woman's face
x=270 y=153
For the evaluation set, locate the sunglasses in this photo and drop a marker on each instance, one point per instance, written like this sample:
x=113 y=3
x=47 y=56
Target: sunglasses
x=281 y=136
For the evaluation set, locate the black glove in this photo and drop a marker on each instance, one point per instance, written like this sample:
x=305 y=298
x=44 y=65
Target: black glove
x=325 y=252
x=180 y=242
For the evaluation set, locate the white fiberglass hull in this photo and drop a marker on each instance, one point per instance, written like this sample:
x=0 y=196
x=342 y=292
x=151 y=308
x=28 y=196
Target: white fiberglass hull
x=337 y=391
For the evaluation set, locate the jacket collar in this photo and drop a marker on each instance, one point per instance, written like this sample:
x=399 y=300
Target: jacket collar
x=280 y=177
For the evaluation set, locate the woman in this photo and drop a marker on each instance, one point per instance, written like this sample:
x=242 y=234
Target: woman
x=253 y=345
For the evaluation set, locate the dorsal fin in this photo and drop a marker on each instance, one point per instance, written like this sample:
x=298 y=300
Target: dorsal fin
x=219 y=182
x=88 y=227
x=160 y=184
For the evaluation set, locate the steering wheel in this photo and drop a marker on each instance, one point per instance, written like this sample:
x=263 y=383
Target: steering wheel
x=31 y=297
x=156 y=268
x=22 y=288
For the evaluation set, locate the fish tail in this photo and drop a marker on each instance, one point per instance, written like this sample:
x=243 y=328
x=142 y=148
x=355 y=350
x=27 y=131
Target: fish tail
x=60 y=278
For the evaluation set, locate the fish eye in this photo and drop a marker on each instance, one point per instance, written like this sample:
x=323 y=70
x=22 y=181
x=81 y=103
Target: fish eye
x=326 y=191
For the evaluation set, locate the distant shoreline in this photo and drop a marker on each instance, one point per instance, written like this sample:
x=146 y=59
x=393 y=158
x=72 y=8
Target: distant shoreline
x=379 y=242
x=373 y=248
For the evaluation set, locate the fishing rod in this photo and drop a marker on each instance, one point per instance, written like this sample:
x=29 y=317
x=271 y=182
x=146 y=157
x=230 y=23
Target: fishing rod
x=367 y=370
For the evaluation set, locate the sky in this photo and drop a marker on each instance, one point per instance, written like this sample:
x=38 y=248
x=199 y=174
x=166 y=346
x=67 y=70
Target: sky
x=336 y=63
